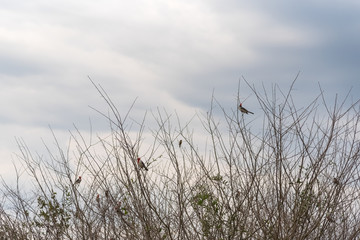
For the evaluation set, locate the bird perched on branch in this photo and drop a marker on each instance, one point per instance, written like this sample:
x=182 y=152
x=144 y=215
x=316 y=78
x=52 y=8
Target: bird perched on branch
x=244 y=110
x=78 y=181
x=141 y=164
x=118 y=208
x=98 y=200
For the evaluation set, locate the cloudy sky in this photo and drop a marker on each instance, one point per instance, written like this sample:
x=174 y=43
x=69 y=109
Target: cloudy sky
x=169 y=54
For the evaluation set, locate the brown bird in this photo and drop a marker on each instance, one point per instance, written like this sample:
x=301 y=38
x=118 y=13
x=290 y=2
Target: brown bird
x=244 y=110
x=141 y=164
x=180 y=142
x=78 y=181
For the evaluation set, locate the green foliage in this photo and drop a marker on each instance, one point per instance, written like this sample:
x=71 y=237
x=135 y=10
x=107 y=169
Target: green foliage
x=53 y=216
x=217 y=178
x=207 y=207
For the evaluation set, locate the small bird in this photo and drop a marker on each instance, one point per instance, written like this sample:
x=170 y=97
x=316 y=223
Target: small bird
x=244 y=110
x=118 y=208
x=78 y=181
x=98 y=200
x=180 y=142
x=142 y=164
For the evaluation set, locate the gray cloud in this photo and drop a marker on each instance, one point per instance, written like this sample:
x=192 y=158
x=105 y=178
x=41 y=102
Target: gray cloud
x=171 y=54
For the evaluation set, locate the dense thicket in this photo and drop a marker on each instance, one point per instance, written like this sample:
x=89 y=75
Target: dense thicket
x=287 y=172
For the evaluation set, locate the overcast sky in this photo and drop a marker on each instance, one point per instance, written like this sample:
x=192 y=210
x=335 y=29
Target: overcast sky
x=170 y=54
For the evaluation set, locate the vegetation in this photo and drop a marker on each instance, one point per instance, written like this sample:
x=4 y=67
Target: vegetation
x=295 y=178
